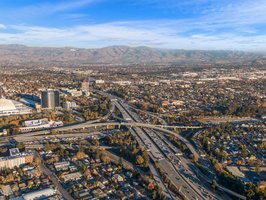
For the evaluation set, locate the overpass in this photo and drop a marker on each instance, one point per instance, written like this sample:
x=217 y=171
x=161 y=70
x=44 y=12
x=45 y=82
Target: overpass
x=119 y=124
x=128 y=124
x=97 y=123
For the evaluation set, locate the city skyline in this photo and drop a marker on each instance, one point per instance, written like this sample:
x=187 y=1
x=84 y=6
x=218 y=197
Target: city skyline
x=204 y=24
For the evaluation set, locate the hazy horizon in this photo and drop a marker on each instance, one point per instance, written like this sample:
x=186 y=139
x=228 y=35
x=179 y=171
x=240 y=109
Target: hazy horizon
x=113 y=46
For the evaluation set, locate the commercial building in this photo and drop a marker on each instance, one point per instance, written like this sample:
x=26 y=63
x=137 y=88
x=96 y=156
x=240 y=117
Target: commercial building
x=50 y=99
x=15 y=159
x=11 y=107
x=14 y=152
x=35 y=122
x=72 y=92
x=75 y=93
x=69 y=105
x=29 y=102
x=39 y=124
x=99 y=81
x=40 y=194
x=4 y=132
x=85 y=86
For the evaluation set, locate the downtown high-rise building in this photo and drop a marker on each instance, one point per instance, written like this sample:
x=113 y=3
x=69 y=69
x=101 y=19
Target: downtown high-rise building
x=85 y=87
x=50 y=99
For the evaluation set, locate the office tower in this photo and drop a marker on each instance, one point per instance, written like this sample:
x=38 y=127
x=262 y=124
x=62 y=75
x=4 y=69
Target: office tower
x=50 y=99
x=85 y=87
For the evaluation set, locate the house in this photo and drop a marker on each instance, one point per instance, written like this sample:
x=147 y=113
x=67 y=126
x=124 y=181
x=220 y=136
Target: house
x=6 y=190
x=104 y=181
x=101 y=185
x=72 y=176
x=129 y=174
x=22 y=186
x=4 y=132
x=83 y=194
x=109 y=169
x=97 y=193
x=117 y=178
x=59 y=166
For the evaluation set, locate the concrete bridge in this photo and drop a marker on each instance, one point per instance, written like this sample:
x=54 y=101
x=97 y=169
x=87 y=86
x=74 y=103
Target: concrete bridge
x=119 y=124
x=132 y=124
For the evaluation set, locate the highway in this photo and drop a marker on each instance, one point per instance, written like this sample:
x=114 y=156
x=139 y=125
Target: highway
x=21 y=136
x=201 y=192
x=163 y=122
x=158 y=149
x=93 y=124
x=183 y=167
x=160 y=154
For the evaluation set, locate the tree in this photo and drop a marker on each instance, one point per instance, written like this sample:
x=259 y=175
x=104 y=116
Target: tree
x=82 y=167
x=151 y=185
x=214 y=184
x=20 y=145
x=95 y=142
x=244 y=151
x=120 y=162
x=53 y=131
x=139 y=160
x=154 y=195
x=146 y=158
x=105 y=158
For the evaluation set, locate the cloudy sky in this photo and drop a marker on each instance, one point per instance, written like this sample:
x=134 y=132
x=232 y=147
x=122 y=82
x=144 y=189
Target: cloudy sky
x=178 y=24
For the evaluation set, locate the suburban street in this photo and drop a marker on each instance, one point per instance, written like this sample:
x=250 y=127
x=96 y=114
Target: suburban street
x=54 y=179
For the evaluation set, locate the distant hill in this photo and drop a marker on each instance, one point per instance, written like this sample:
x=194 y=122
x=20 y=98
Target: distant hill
x=19 y=54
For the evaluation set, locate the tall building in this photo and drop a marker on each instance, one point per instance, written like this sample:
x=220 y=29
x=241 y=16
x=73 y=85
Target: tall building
x=85 y=87
x=50 y=99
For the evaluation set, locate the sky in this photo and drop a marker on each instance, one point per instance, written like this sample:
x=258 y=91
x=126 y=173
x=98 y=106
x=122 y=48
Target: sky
x=172 y=24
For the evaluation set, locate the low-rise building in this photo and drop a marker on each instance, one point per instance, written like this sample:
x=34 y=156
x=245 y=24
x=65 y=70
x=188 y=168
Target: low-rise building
x=72 y=176
x=4 y=132
x=38 y=124
x=11 y=107
x=69 y=105
x=61 y=166
x=15 y=161
x=40 y=194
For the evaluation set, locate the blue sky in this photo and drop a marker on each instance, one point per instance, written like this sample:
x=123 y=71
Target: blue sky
x=175 y=24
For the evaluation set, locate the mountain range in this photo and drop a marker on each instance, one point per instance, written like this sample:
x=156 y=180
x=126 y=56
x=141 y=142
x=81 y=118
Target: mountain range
x=20 y=54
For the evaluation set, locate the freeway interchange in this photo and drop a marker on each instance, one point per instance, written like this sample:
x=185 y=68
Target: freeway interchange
x=164 y=155
x=176 y=169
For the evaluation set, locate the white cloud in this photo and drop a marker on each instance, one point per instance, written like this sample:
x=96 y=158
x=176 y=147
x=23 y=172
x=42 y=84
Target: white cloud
x=2 y=26
x=231 y=26
x=127 y=33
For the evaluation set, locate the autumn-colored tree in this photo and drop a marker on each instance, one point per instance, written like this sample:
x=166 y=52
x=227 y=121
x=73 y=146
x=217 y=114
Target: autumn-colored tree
x=105 y=158
x=53 y=132
x=139 y=160
x=151 y=185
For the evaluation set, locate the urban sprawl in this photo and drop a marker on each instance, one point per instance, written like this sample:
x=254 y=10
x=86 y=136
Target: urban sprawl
x=133 y=132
